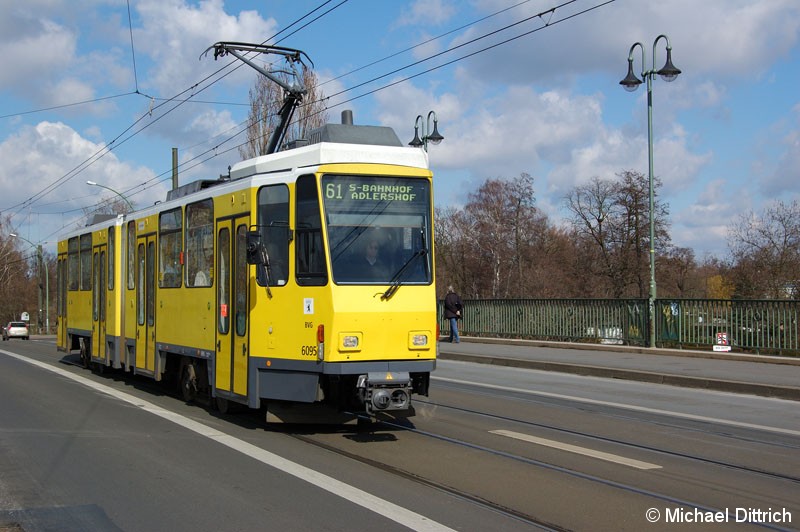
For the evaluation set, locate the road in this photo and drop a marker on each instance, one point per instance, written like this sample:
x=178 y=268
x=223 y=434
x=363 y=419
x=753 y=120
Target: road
x=492 y=448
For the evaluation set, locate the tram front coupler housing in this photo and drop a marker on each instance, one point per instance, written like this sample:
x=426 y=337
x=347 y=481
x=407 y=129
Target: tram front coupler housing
x=384 y=391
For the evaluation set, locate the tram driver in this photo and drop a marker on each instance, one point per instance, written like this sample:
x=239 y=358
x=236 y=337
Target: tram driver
x=372 y=264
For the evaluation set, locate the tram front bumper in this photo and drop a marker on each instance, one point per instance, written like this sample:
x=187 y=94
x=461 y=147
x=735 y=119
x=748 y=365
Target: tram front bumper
x=384 y=391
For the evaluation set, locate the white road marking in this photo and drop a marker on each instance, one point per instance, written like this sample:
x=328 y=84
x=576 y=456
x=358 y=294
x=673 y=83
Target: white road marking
x=577 y=450
x=693 y=417
x=352 y=494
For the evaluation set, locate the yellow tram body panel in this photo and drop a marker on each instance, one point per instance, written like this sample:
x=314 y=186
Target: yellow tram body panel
x=366 y=328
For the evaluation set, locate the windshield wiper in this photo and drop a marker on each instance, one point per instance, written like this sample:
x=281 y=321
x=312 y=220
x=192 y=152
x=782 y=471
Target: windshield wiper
x=395 y=283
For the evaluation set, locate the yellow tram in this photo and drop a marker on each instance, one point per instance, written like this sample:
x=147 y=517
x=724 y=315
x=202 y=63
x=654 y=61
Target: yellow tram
x=303 y=277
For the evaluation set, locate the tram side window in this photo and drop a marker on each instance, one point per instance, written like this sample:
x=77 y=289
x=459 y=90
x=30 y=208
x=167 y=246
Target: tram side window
x=140 y=301
x=131 y=234
x=273 y=224
x=62 y=287
x=169 y=242
x=86 y=261
x=240 y=289
x=200 y=243
x=73 y=266
x=309 y=253
x=96 y=290
x=111 y=243
x=59 y=296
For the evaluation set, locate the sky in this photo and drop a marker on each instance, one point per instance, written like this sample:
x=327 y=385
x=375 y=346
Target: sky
x=103 y=90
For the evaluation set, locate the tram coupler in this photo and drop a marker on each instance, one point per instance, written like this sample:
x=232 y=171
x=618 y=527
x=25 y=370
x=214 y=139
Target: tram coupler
x=381 y=392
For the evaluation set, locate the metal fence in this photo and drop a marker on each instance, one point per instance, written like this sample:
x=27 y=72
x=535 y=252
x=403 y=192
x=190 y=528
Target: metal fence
x=757 y=326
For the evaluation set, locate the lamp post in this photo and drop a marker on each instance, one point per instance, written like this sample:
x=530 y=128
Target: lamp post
x=668 y=73
x=432 y=135
x=42 y=263
x=112 y=190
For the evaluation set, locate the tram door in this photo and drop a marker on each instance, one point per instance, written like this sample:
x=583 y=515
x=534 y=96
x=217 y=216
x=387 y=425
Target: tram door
x=61 y=283
x=99 y=302
x=145 y=304
x=231 y=317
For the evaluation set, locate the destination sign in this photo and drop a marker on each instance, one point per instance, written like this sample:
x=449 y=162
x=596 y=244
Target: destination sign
x=352 y=189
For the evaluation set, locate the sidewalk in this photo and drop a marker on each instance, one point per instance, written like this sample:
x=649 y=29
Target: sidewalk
x=767 y=376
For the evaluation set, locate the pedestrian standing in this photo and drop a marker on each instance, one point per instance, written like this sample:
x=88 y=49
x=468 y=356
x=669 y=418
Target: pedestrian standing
x=452 y=312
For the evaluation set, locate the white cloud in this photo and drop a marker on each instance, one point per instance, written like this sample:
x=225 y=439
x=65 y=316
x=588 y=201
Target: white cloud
x=44 y=49
x=703 y=225
x=427 y=13
x=711 y=39
x=41 y=155
x=174 y=34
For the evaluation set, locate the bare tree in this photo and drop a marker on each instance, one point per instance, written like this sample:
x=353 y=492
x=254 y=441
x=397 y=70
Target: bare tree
x=679 y=274
x=266 y=99
x=593 y=207
x=492 y=246
x=716 y=277
x=455 y=263
x=18 y=274
x=766 y=251
x=610 y=219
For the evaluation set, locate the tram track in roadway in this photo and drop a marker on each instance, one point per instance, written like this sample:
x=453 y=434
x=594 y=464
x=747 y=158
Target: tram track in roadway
x=461 y=494
x=638 y=446
x=511 y=513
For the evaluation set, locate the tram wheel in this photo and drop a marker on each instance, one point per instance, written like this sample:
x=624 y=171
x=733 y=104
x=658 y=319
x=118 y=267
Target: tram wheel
x=223 y=405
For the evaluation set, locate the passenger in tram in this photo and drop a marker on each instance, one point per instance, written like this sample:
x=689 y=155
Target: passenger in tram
x=171 y=275
x=372 y=265
x=203 y=275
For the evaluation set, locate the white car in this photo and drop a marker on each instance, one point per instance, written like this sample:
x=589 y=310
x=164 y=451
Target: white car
x=16 y=329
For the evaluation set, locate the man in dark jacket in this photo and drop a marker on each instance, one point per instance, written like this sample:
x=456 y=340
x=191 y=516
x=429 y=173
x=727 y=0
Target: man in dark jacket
x=452 y=312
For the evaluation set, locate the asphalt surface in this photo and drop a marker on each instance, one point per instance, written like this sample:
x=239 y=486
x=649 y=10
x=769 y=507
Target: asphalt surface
x=768 y=376
x=762 y=375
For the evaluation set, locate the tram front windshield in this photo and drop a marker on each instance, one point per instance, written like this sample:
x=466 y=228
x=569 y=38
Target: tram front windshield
x=378 y=229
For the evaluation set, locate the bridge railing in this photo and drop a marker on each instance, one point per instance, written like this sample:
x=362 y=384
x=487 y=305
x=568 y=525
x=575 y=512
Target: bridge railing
x=757 y=326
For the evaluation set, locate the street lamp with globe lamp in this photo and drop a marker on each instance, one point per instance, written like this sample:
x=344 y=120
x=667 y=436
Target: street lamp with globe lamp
x=668 y=73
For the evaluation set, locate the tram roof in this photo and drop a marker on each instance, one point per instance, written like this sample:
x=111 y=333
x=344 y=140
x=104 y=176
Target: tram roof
x=330 y=153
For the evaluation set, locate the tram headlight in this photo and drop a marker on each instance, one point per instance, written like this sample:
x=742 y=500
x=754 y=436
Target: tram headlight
x=419 y=340
x=350 y=341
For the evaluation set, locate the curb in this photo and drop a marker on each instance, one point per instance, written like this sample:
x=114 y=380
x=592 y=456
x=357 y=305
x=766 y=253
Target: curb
x=763 y=390
x=689 y=353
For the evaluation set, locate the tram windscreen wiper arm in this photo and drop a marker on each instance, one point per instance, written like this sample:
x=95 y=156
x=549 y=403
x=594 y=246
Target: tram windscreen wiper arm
x=395 y=282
